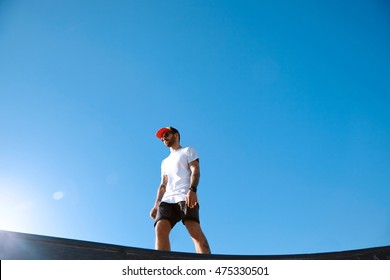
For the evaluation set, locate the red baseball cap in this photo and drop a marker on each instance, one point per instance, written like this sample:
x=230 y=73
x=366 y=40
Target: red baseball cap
x=161 y=131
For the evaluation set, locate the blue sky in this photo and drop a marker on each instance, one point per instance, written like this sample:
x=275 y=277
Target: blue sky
x=286 y=103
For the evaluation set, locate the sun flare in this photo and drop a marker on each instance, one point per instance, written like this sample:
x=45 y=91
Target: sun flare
x=15 y=209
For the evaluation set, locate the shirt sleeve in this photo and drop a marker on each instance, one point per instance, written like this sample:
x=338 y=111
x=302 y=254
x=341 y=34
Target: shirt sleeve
x=191 y=154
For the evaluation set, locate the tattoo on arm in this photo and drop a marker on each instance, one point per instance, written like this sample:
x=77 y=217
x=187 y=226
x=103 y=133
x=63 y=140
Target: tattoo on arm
x=160 y=193
x=162 y=188
x=195 y=173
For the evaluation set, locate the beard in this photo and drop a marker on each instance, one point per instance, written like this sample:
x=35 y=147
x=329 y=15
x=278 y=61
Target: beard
x=169 y=143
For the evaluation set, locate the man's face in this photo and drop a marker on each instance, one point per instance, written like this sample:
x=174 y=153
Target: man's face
x=169 y=139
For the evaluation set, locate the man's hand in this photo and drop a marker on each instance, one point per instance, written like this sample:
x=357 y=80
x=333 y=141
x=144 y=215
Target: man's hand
x=160 y=194
x=191 y=199
x=153 y=213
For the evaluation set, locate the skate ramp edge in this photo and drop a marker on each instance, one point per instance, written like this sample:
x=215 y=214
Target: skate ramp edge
x=24 y=246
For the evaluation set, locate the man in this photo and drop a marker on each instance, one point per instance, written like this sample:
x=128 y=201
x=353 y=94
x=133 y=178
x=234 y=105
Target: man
x=177 y=199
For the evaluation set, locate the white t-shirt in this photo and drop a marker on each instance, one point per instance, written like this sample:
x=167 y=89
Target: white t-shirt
x=176 y=167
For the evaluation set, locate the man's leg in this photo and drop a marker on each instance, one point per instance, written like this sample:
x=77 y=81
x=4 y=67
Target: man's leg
x=163 y=228
x=198 y=237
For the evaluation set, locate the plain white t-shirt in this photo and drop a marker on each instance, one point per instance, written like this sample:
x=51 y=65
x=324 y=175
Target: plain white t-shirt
x=176 y=167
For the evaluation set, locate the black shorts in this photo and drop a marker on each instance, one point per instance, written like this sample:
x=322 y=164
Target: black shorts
x=174 y=212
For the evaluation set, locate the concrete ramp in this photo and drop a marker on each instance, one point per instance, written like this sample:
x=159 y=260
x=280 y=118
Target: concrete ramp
x=22 y=246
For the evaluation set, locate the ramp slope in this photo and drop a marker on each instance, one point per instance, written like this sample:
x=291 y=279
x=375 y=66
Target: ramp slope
x=23 y=246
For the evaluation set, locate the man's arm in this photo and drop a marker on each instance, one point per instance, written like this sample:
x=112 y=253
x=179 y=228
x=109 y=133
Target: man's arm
x=195 y=173
x=160 y=193
x=192 y=198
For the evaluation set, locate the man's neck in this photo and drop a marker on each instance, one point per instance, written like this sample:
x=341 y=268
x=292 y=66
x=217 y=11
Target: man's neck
x=175 y=147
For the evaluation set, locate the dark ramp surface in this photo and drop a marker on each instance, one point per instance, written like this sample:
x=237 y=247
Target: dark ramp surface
x=23 y=246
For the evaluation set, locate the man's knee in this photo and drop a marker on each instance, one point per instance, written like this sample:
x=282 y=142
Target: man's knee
x=162 y=228
x=194 y=228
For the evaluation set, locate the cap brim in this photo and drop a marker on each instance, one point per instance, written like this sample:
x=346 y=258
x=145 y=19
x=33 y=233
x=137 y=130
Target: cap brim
x=161 y=132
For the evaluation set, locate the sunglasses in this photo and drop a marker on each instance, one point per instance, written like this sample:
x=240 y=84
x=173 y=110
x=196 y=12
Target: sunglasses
x=166 y=134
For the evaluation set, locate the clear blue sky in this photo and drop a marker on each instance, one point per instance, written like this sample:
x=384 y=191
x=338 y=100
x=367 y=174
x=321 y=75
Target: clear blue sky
x=286 y=102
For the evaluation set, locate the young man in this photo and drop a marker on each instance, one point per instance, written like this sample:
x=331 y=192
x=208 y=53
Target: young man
x=177 y=199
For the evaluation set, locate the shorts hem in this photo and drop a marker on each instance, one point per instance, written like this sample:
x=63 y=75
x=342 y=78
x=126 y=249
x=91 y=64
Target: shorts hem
x=163 y=218
x=190 y=219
